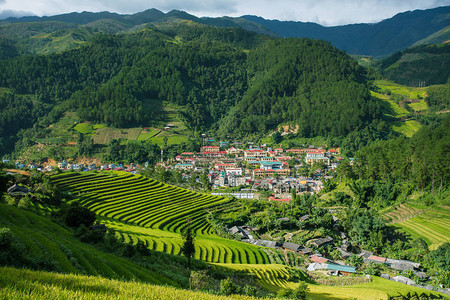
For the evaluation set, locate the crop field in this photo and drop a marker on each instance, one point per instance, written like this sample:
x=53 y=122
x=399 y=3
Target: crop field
x=87 y=128
x=106 y=134
x=409 y=92
x=25 y=284
x=402 y=213
x=419 y=106
x=139 y=208
x=390 y=108
x=147 y=134
x=274 y=277
x=432 y=225
x=139 y=200
x=407 y=128
x=43 y=238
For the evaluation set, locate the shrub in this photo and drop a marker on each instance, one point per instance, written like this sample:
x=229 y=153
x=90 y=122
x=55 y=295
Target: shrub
x=74 y=215
x=228 y=287
x=299 y=292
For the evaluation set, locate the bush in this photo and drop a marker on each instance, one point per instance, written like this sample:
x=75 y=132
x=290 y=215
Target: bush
x=90 y=236
x=228 y=287
x=299 y=292
x=74 y=215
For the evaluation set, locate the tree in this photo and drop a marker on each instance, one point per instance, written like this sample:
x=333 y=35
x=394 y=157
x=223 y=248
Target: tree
x=188 y=248
x=75 y=215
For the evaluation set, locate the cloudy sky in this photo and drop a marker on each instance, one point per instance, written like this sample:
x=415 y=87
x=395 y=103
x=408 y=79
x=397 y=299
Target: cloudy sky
x=325 y=12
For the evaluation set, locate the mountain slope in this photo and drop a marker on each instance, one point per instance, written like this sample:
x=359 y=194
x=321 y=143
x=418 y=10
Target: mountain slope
x=378 y=39
x=418 y=66
x=383 y=38
x=211 y=72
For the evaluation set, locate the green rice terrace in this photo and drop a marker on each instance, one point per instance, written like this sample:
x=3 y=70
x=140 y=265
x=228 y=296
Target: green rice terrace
x=430 y=224
x=143 y=209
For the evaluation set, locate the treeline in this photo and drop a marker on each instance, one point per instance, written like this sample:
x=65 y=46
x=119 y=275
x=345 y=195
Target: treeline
x=423 y=160
x=438 y=97
x=17 y=112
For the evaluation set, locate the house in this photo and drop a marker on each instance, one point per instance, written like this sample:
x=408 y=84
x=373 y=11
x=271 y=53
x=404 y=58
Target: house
x=317 y=266
x=316 y=156
x=322 y=242
x=403 y=279
x=318 y=259
x=341 y=269
x=282 y=172
x=375 y=259
x=304 y=217
x=262 y=243
x=184 y=166
x=304 y=250
x=234 y=171
x=209 y=149
x=291 y=246
x=258 y=173
x=402 y=265
x=255 y=153
x=236 y=230
x=17 y=190
x=270 y=165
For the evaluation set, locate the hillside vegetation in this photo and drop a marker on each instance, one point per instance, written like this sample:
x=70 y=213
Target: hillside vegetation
x=417 y=66
x=228 y=81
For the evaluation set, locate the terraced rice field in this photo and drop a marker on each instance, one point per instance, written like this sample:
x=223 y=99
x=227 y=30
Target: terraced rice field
x=43 y=238
x=433 y=226
x=141 y=201
x=402 y=213
x=274 y=277
x=139 y=208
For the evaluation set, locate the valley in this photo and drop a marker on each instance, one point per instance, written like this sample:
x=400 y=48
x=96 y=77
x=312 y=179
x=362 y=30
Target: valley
x=162 y=155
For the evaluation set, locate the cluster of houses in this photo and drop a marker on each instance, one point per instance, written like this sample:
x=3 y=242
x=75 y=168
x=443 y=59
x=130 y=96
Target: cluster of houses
x=67 y=166
x=334 y=268
x=260 y=168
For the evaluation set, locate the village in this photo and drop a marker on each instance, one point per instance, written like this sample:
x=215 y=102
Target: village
x=255 y=169
x=244 y=173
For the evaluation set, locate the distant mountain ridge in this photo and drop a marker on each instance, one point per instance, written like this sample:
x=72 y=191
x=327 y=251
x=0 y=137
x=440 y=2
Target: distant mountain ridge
x=377 y=39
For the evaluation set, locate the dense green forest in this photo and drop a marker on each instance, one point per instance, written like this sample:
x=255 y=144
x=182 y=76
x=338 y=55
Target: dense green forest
x=424 y=64
x=230 y=81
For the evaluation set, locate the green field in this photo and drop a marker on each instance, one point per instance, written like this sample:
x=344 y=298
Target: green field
x=273 y=277
x=419 y=106
x=87 y=128
x=46 y=239
x=407 y=128
x=25 y=284
x=398 y=89
x=389 y=107
x=139 y=208
x=432 y=225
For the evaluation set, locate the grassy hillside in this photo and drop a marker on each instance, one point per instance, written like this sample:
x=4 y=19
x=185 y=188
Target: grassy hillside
x=431 y=225
x=55 y=247
x=398 y=103
x=25 y=284
x=424 y=64
x=440 y=37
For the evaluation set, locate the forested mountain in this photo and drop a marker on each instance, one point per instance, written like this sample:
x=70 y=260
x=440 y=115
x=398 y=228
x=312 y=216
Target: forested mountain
x=383 y=38
x=424 y=64
x=231 y=81
x=378 y=39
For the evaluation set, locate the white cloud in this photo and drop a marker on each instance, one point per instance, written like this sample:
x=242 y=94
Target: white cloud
x=326 y=12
